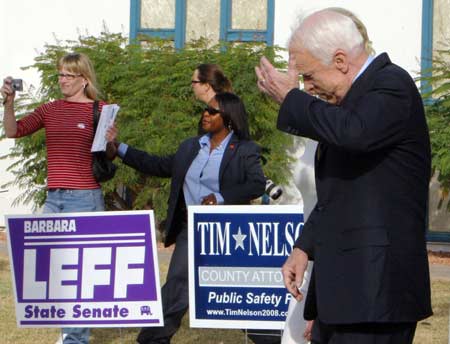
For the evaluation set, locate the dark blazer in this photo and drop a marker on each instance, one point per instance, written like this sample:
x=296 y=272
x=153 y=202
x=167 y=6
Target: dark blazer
x=241 y=178
x=367 y=231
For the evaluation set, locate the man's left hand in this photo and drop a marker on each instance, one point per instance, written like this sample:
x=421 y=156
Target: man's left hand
x=293 y=271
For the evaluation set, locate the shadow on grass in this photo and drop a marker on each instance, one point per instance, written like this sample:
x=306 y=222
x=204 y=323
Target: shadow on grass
x=113 y=335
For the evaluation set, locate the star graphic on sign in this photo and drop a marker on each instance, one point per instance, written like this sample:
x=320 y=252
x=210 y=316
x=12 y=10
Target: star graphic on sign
x=239 y=238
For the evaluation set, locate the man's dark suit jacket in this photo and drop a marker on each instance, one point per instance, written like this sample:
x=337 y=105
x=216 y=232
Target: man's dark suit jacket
x=241 y=178
x=366 y=234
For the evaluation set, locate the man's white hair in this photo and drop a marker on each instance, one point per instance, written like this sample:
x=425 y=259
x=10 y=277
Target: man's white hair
x=323 y=32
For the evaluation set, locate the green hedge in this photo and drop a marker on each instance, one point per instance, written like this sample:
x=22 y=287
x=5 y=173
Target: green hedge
x=158 y=110
x=438 y=117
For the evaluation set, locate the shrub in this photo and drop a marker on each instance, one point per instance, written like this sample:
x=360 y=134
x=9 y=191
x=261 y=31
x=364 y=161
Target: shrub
x=438 y=117
x=151 y=84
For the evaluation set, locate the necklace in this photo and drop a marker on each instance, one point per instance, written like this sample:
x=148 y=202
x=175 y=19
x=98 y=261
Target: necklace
x=217 y=141
x=215 y=144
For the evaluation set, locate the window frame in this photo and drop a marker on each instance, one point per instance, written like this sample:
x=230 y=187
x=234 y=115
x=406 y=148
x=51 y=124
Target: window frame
x=226 y=33
x=426 y=64
x=427 y=43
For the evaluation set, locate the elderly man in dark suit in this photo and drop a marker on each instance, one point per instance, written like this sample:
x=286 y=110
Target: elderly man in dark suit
x=366 y=234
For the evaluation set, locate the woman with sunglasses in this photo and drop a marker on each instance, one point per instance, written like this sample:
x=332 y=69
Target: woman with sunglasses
x=69 y=133
x=220 y=167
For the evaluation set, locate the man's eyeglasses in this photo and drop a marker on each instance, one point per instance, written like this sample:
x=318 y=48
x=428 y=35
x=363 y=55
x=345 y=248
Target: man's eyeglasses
x=68 y=76
x=211 y=110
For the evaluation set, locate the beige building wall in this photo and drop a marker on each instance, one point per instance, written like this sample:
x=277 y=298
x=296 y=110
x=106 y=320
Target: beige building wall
x=393 y=26
x=441 y=24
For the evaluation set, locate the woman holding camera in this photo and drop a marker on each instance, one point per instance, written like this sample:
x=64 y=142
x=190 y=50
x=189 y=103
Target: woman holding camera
x=69 y=132
x=220 y=167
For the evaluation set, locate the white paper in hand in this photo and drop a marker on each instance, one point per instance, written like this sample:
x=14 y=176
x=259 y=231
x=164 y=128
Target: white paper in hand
x=107 y=118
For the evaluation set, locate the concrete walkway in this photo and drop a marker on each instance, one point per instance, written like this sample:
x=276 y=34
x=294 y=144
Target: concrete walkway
x=439 y=271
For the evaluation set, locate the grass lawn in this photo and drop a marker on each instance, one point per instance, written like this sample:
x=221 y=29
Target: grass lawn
x=433 y=330
x=10 y=334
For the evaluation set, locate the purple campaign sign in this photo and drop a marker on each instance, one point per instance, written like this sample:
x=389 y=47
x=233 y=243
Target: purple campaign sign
x=85 y=269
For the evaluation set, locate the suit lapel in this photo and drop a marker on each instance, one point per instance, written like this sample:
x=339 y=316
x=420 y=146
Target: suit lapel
x=321 y=151
x=230 y=150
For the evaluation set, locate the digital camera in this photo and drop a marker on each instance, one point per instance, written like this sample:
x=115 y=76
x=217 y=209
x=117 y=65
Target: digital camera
x=17 y=85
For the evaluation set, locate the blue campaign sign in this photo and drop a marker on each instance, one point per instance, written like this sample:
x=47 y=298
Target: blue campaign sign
x=235 y=259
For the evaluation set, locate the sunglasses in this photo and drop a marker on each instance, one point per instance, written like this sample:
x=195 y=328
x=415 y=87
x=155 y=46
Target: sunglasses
x=211 y=110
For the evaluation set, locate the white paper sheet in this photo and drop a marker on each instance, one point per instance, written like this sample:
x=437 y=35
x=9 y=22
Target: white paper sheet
x=107 y=118
x=304 y=178
x=295 y=323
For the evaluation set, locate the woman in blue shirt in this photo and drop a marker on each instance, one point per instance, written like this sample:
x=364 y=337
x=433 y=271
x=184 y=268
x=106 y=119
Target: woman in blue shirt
x=221 y=167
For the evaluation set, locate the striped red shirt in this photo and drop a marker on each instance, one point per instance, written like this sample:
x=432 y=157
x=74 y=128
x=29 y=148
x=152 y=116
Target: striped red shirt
x=69 y=133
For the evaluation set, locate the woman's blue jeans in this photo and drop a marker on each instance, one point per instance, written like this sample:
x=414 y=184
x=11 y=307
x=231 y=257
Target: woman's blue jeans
x=71 y=201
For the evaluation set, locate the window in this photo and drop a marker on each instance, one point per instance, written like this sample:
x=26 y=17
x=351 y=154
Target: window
x=205 y=22
x=435 y=36
x=186 y=20
x=438 y=212
x=435 y=31
x=247 y=20
x=158 y=18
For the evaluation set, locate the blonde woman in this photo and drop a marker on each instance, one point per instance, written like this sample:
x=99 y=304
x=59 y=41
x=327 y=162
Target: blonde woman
x=69 y=133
